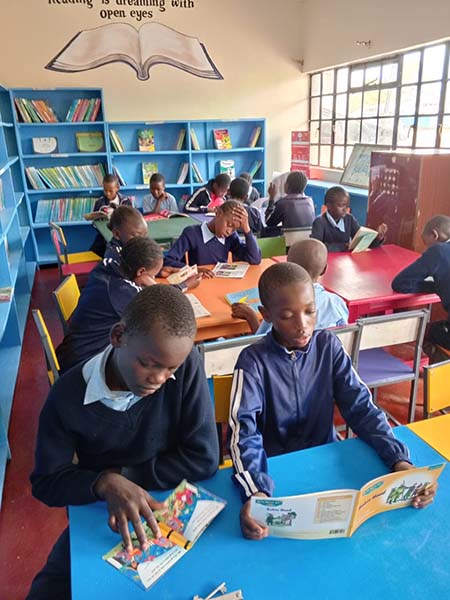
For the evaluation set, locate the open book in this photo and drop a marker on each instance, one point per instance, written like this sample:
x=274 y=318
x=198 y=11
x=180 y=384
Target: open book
x=153 y=44
x=231 y=270
x=186 y=514
x=183 y=274
x=362 y=240
x=339 y=513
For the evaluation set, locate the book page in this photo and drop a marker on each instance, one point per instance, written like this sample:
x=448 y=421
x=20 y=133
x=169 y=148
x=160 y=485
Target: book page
x=199 y=310
x=230 y=270
x=362 y=240
x=309 y=516
x=391 y=491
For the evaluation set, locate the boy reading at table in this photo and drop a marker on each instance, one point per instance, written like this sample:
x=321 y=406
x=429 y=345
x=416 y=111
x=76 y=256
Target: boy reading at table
x=210 y=243
x=434 y=263
x=336 y=227
x=292 y=210
x=331 y=310
x=158 y=200
x=285 y=388
x=209 y=197
x=138 y=417
x=126 y=223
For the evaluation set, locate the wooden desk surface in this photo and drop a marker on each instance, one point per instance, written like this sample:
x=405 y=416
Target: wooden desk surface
x=435 y=432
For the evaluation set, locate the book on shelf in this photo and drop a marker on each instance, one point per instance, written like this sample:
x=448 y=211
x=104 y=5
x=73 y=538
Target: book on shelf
x=83 y=109
x=90 y=141
x=254 y=137
x=44 y=145
x=146 y=140
x=227 y=166
x=249 y=297
x=362 y=239
x=2 y=196
x=66 y=177
x=64 y=209
x=180 y=139
x=119 y=176
x=148 y=169
x=194 y=139
x=183 y=274
x=35 y=111
x=199 y=310
x=231 y=270
x=183 y=173
x=196 y=173
x=339 y=513
x=255 y=167
x=6 y=293
x=186 y=513
x=222 y=139
x=116 y=142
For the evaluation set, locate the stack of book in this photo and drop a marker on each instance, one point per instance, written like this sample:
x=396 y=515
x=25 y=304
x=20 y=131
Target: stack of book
x=66 y=177
x=63 y=209
x=197 y=175
x=83 y=109
x=35 y=111
x=116 y=142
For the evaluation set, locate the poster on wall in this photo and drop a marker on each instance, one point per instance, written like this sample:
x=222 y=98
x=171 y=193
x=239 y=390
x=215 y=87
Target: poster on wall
x=300 y=151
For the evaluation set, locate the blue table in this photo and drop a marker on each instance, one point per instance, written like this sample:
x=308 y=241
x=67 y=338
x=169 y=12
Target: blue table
x=400 y=554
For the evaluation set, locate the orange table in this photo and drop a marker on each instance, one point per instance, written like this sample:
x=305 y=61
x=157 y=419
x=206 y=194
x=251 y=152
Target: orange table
x=435 y=432
x=211 y=293
x=363 y=280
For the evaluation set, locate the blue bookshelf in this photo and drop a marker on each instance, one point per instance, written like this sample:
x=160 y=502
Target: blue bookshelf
x=17 y=268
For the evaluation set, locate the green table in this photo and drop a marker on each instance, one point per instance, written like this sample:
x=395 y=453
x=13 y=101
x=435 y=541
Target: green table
x=163 y=230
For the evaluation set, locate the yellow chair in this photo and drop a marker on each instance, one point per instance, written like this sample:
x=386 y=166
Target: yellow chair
x=66 y=297
x=49 y=349
x=222 y=392
x=436 y=392
x=78 y=263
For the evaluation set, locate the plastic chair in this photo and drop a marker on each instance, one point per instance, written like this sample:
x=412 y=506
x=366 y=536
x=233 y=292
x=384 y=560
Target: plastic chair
x=272 y=246
x=220 y=356
x=436 y=392
x=222 y=392
x=296 y=234
x=78 y=263
x=376 y=366
x=49 y=349
x=66 y=298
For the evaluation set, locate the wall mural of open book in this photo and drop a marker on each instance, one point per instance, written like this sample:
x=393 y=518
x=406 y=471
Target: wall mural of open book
x=153 y=44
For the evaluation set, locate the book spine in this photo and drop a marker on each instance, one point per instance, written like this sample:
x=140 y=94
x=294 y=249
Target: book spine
x=96 y=109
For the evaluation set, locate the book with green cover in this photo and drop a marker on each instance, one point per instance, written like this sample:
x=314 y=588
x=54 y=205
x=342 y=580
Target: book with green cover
x=90 y=141
x=362 y=240
x=146 y=140
x=148 y=168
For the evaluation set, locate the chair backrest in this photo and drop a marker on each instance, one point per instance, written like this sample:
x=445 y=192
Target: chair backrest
x=49 y=349
x=296 y=234
x=272 y=246
x=347 y=335
x=66 y=298
x=436 y=390
x=101 y=225
x=219 y=357
x=222 y=392
x=59 y=242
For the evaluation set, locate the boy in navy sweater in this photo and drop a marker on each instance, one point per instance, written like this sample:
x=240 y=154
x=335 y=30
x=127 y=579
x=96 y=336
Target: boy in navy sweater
x=292 y=210
x=126 y=223
x=211 y=242
x=207 y=198
x=239 y=190
x=435 y=263
x=336 y=227
x=138 y=416
x=285 y=388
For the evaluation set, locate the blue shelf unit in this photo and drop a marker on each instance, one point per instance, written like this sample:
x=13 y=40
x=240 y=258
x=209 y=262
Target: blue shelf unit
x=17 y=269
x=358 y=197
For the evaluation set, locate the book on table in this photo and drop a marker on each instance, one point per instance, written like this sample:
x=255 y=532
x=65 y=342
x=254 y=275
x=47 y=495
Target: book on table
x=90 y=141
x=148 y=169
x=183 y=274
x=198 y=308
x=186 y=513
x=339 y=513
x=222 y=139
x=231 y=270
x=249 y=297
x=146 y=140
x=362 y=239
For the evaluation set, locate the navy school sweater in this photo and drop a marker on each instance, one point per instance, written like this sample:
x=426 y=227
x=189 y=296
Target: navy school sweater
x=165 y=437
x=335 y=239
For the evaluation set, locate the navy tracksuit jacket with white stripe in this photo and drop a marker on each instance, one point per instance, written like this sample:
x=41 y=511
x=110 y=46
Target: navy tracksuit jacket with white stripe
x=283 y=401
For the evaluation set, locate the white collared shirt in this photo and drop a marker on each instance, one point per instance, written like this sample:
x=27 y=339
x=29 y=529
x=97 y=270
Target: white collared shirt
x=340 y=224
x=208 y=235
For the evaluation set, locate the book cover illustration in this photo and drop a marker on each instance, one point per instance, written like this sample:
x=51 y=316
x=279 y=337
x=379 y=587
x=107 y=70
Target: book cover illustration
x=153 y=44
x=90 y=141
x=249 y=297
x=186 y=514
x=231 y=270
x=44 y=145
x=146 y=140
x=148 y=169
x=222 y=139
x=227 y=166
x=339 y=513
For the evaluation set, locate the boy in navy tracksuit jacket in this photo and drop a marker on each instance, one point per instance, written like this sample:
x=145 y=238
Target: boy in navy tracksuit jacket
x=285 y=387
x=126 y=223
x=138 y=417
x=336 y=227
x=210 y=196
x=211 y=242
x=434 y=262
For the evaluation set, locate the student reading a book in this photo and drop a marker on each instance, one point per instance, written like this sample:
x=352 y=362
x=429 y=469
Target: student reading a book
x=292 y=210
x=209 y=197
x=434 y=263
x=238 y=191
x=336 y=227
x=158 y=200
x=285 y=389
x=138 y=416
x=331 y=310
x=126 y=223
x=104 y=206
x=253 y=193
x=210 y=243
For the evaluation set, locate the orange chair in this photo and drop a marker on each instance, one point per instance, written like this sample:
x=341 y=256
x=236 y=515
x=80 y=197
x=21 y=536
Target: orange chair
x=76 y=263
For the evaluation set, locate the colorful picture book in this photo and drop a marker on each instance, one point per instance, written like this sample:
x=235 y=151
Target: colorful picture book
x=254 y=137
x=180 y=139
x=148 y=168
x=44 y=145
x=66 y=177
x=35 y=111
x=227 y=166
x=64 y=209
x=90 y=141
x=83 y=109
x=198 y=178
x=146 y=140
x=222 y=139
x=183 y=173
x=186 y=514
x=362 y=240
x=339 y=513
x=255 y=167
x=249 y=297
x=116 y=142
x=194 y=139
x=199 y=310
x=231 y=270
